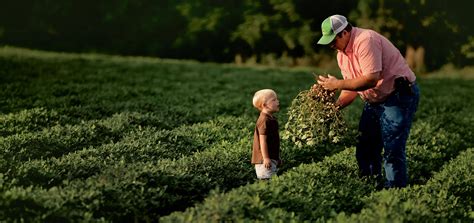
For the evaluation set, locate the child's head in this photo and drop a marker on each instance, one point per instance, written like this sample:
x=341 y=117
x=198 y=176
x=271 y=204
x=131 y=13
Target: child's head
x=266 y=100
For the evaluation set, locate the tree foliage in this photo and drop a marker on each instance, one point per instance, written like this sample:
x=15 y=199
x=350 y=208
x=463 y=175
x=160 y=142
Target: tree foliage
x=219 y=30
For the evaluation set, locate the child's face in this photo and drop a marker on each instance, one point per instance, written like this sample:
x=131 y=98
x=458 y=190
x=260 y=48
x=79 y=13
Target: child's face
x=272 y=104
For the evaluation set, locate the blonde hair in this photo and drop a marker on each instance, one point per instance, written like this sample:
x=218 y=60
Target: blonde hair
x=262 y=96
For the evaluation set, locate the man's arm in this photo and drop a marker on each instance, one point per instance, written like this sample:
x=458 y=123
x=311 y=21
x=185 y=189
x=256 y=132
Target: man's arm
x=357 y=84
x=346 y=98
x=264 y=148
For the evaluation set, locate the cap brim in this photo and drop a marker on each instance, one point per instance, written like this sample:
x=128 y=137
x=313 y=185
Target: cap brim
x=326 y=39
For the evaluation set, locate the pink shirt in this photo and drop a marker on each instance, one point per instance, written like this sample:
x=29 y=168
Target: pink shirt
x=369 y=52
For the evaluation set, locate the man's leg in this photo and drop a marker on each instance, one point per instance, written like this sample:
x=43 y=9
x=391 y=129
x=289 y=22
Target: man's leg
x=396 y=120
x=369 y=146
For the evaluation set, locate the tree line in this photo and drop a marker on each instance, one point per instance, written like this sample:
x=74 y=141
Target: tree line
x=429 y=33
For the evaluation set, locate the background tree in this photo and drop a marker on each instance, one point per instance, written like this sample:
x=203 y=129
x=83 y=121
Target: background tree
x=441 y=28
x=439 y=32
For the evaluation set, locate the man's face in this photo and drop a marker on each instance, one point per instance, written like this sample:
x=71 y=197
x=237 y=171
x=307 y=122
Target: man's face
x=340 y=41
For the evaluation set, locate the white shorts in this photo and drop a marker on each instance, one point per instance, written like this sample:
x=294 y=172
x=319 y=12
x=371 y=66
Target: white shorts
x=264 y=173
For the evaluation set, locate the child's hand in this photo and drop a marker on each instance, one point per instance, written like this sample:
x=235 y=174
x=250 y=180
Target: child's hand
x=267 y=163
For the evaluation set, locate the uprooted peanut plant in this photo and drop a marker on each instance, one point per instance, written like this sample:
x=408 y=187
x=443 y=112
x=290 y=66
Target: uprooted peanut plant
x=314 y=118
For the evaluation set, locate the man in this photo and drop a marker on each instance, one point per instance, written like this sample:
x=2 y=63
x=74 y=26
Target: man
x=374 y=69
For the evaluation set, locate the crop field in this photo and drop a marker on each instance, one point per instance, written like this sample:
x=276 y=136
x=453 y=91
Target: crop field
x=100 y=138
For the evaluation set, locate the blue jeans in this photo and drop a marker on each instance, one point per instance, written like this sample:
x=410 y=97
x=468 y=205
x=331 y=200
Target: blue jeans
x=387 y=125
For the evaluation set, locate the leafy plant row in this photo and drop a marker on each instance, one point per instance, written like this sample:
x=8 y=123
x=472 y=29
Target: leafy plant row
x=28 y=120
x=59 y=140
x=318 y=191
x=88 y=87
x=145 y=144
x=124 y=191
x=40 y=119
x=446 y=197
x=195 y=169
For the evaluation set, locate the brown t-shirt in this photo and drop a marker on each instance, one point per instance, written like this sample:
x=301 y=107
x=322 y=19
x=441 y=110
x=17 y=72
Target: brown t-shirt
x=266 y=125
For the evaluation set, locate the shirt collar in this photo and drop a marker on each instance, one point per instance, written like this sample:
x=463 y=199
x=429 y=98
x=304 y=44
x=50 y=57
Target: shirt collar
x=268 y=115
x=350 y=44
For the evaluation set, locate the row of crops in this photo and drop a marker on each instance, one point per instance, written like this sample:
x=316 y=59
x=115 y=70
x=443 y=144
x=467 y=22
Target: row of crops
x=116 y=139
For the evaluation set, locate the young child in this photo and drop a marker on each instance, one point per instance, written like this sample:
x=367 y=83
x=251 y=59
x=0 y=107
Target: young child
x=266 y=139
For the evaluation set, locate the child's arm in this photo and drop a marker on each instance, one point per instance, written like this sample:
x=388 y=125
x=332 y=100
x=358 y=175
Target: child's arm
x=267 y=163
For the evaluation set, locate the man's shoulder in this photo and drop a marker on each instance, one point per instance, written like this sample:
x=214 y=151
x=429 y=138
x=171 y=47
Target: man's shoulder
x=362 y=33
x=367 y=37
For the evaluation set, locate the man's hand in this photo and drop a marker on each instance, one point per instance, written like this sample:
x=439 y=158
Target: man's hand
x=329 y=83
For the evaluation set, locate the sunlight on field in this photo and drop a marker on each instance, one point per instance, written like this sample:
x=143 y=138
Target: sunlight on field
x=450 y=72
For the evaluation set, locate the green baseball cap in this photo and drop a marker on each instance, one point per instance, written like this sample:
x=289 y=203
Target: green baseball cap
x=331 y=26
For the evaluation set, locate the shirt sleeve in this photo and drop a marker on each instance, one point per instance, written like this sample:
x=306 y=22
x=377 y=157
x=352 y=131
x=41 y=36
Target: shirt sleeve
x=262 y=127
x=370 y=55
